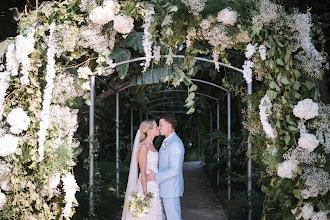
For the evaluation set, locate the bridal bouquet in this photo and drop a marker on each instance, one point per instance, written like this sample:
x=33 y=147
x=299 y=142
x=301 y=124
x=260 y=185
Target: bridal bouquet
x=138 y=204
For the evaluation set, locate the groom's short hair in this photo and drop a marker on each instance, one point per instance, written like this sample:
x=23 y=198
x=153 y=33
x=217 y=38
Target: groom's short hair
x=170 y=119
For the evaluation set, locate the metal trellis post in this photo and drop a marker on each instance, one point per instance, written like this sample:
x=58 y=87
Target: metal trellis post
x=249 y=86
x=117 y=145
x=229 y=136
x=218 y=144
x=91 y=146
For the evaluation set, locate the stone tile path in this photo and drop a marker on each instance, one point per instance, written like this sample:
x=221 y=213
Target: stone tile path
x=199 y=201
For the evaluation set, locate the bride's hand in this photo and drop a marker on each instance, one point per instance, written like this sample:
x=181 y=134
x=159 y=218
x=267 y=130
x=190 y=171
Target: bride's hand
x=151 y=176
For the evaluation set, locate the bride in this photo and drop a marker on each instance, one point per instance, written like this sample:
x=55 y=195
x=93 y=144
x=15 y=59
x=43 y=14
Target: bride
x=145 y=156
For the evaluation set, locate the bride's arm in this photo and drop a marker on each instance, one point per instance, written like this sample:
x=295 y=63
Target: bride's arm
x=142 y=158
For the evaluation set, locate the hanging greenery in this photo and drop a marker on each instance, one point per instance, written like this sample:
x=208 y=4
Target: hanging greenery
x=39 y=93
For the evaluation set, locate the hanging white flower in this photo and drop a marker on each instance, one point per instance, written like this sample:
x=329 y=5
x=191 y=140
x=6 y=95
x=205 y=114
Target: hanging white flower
x=306 y=109
x=250 y=49
x=287 y=168
x=147 y=43
x=205 y=24
x=247 y=71
x=2 y=200
x=262 y=52
x=308 y=142
x=102 y=15
x=69 y=186
x=123 y=24
x=8 y=145
x=265 y=111
x=18 y=120
x=227 y=16
x=11 y=61
x=4 y=84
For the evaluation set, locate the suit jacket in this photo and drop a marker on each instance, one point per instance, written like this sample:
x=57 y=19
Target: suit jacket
x=169 y=176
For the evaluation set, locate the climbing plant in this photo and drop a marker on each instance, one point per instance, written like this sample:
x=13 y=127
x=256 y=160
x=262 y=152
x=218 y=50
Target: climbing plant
x=45 y=77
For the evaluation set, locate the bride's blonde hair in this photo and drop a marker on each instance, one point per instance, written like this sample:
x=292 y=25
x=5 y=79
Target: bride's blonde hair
x=144 y=127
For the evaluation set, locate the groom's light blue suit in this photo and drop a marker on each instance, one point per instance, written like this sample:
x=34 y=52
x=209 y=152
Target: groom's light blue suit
x=170 y=177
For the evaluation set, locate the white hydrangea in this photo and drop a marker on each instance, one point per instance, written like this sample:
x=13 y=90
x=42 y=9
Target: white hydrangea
x=123 y=24
x=287 y=168
x=247 y=71
x=69 y=186
x=54 y=181
x=306 y=193
x=205 y=24
x=306 y=109
x=2 y=200
x=307 y=211
x=18 y=120
x=262 y=52
x=250 y=49
x=102 y=15
x=308 y=142
x=227 y=16
x=8 y=145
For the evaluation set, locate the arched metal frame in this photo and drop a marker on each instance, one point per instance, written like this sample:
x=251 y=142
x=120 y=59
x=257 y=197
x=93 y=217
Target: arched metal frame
x=91 y=130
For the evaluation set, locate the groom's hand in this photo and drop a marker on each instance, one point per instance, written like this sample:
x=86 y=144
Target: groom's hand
x=151 y=176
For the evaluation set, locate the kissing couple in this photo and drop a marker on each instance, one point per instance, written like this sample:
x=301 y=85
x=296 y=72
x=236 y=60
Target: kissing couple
x=160 y=173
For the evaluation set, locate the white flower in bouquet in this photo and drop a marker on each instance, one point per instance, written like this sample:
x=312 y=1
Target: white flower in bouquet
x=307 y=211
x=102 y=15
x=262 y=52
x=306 y=109
x=139 y=205
x=308 y=142
x=205 y=24
x=123 y=24
x=247 y=71
x=250 y=49
x=320 y=215
x=287 y=168
x=18 y=120
x=2 y=200
x=8 y=145
x=227 y=16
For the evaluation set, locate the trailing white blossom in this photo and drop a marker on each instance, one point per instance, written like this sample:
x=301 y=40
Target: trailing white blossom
x=69 y=186
x=2 y=200
x=250 y=49
x=11 y=61
x=195 y=6
x=102 y=15
x=50 y=75
x=18 y=120
x=156 y=54
x=265 y=110
x=316 y=179
x=24 y=47
x=306 y=109
x=287 y=169
x=8 y=145
x=4 y=84
x=308 y=142
x=268 y=12
x=123 y=24
x=215 y=55
x=247 y=71
x=262 y=52
x=205 y=24
x=147 y=43
x=227 y=16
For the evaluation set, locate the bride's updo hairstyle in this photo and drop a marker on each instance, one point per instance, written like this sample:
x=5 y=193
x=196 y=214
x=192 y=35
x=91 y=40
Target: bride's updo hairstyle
x=144 y=127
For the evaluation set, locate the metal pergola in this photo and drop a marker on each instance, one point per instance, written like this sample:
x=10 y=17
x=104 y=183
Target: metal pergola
x=91 y=128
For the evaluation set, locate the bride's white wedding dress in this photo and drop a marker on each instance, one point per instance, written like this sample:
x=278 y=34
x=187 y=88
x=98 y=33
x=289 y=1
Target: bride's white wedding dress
x=156 y=210
x=134 y=184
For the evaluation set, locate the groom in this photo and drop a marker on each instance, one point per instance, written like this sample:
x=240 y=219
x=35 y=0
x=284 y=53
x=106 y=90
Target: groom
x=170 y=177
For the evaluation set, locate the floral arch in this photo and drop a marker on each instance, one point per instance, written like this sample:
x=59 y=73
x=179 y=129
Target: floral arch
x=47 y=68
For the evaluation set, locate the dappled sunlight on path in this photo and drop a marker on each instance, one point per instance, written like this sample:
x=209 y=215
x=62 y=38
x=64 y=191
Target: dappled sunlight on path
x=199 y=201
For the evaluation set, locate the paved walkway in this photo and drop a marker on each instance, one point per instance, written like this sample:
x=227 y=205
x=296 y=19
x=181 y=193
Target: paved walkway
x=199 y=201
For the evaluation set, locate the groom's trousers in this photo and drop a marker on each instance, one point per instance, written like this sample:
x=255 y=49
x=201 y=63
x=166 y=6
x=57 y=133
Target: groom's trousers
x=172 y=208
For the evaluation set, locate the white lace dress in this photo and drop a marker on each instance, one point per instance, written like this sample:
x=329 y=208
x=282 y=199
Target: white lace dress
x=156 y=211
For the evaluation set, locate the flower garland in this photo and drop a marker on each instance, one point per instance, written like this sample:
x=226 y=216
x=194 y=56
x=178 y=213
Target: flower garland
x=147 y=43
x=265 y=111
x=50 y=75
x=69 y=185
